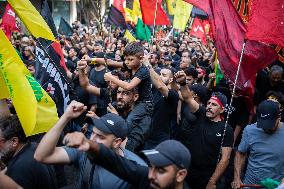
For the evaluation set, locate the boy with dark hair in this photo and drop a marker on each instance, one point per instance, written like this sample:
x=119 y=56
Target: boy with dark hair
x=134 y=53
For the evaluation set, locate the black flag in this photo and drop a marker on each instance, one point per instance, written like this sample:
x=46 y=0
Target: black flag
x=116 y=18
x=52 y=76
x=46 y=14
x=65 y=28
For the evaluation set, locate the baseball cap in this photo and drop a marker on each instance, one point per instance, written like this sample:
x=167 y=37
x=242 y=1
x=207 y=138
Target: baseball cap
x=169 y=152
x=220 y=98
x=267 y=114
x=112 y=124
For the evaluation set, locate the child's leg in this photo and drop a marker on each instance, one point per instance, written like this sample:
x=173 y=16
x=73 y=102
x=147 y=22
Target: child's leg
x=139 y=121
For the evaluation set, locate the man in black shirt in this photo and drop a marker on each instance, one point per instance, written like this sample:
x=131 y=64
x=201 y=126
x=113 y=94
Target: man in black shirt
x=17 y=153
x=169 y=163
x=165 y=106
x=211 y=142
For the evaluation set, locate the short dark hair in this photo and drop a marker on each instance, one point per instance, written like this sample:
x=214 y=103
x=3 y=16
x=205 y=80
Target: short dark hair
x=11 y=127
x=191 y=72
x=118 y=73
x=134 y=49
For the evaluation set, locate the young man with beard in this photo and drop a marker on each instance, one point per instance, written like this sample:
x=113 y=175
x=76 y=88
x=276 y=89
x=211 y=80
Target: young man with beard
x=165 y=106
x=262 y=143
x=110 y=130
x=211 y=143
x=17 y=153
x=169 y=162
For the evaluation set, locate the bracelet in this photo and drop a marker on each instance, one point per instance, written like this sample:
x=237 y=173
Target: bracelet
x=93 y=60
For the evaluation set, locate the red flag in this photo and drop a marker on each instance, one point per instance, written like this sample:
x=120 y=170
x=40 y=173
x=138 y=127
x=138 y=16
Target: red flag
x=198 y=30
x=57 y=47
x=148 y=8
x=229 y=33
x=266 y=22
x=119 y=5
x=9 y=21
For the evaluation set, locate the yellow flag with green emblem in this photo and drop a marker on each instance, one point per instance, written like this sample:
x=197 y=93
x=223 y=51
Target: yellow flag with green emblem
x=3 y=89
x=36 y=110
x=171 y=5
x=32 y=19
x=182 y=14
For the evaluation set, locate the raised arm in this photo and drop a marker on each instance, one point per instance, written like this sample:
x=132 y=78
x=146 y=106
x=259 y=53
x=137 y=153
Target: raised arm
x=123 y=168
x=125 y=85
x=84 y=80
x=105 y=61
x=47 y=152
x=185 y=92
x=156 y=80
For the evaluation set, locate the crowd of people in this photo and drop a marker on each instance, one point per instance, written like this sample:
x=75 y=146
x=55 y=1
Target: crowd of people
x=153 y=117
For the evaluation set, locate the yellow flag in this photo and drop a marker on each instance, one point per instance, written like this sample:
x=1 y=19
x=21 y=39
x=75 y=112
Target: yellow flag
x=182 y=14
x=32 y=19
x=129 y=17
x=35 y=109
x=171 y=4
x=129 y=36
x=136 y=9
x=3 y=89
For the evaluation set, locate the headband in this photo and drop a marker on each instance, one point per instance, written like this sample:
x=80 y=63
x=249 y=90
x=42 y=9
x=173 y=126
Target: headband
x=218 y=101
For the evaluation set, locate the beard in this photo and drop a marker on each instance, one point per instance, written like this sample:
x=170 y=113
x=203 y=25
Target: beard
x=6 y=156
x=171 y=185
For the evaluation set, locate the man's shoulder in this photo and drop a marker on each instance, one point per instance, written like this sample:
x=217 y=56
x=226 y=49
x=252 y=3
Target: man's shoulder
x=133 y=157
x=251 y=128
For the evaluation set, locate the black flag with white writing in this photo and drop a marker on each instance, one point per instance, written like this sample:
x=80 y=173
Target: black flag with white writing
x=52 y=76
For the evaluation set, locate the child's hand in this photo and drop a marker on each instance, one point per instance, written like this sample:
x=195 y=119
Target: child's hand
x=108 y=76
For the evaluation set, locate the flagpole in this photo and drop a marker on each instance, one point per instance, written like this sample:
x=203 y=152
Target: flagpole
x=155 y=18
x=229 y=108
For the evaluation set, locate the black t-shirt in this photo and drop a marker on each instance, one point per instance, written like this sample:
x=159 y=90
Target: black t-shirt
x=186 y=124
x=97 y=79
x=165 y=108
x=206 y=140
x=29 y=173
x=144 y=87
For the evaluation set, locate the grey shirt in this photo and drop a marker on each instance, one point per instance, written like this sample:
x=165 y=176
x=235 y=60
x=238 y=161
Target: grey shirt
x=266 y=154
x=98 y=176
